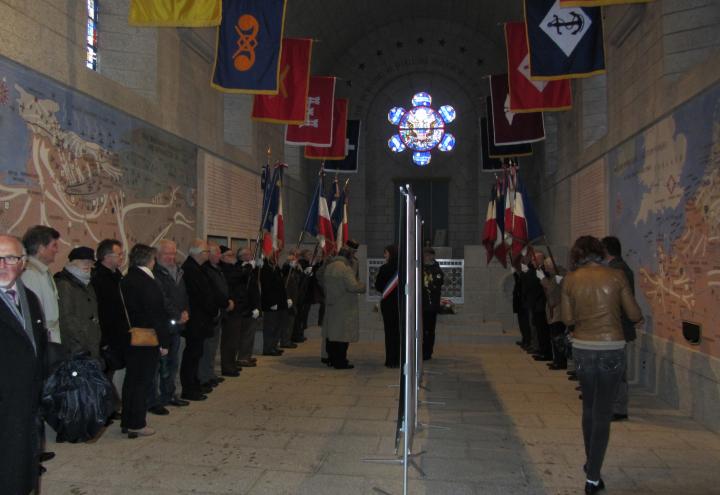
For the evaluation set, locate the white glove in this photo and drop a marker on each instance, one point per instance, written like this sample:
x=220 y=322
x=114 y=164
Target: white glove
x=255 y=314
x=558 y=279
x=259 y=263
x=289 y=303
x=540 y=274
x=273 y=307
x=251 y=263
x=524 y=268
x=308 y=270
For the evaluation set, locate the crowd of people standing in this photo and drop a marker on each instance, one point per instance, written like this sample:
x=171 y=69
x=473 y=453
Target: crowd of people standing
x=91 y=310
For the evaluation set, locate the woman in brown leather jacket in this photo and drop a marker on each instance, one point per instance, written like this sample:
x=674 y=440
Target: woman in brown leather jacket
x=593 y=299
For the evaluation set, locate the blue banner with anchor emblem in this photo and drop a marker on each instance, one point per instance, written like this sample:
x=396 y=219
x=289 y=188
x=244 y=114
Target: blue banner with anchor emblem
x=564 y=43
x=249 y=40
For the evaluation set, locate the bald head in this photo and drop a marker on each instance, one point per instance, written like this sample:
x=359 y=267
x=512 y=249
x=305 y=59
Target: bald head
x=12 y=260
x=199 y=251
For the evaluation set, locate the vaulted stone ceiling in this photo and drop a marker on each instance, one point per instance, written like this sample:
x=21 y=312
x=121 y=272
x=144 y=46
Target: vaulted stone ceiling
x=369 y=43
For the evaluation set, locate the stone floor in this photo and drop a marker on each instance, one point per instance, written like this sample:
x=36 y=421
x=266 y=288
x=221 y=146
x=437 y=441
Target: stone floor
x=293 y=426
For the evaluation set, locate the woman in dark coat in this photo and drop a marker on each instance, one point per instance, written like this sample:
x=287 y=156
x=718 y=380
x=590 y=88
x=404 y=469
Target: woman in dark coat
x=386 y=283
x=143 y=299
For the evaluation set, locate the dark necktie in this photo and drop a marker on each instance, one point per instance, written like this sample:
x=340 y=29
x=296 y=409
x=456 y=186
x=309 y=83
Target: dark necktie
x=13 y=295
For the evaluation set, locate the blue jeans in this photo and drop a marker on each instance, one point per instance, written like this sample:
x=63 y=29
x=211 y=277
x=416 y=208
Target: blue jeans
x=163 y=388
x=599 y=373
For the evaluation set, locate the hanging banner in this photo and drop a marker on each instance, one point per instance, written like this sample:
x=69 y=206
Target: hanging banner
x=509 y=151
x=597 y=3
x=487 y=164
x=527 y=94
x=348 y=165
x=289 y=105
x=564 y=42
x=318 y=126
x=510 y=127
x=337 y=149
x=249 y=41
x=175 y=13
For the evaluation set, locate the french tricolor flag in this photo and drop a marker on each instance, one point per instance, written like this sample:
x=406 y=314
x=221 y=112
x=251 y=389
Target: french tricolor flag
x=325 y=230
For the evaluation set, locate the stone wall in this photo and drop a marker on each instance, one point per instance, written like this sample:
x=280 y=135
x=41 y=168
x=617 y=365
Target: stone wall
x=659 y=55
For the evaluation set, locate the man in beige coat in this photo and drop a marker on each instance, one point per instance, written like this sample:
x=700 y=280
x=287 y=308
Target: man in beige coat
x=340 y=325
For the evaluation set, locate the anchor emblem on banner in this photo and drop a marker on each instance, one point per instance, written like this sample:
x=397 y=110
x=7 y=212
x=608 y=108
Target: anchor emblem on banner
x=575 y=25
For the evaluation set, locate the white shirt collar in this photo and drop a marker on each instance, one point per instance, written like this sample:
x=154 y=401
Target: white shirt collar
x=148 y=271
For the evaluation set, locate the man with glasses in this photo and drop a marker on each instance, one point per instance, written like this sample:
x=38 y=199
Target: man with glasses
x=114 y=336
x=22 y=356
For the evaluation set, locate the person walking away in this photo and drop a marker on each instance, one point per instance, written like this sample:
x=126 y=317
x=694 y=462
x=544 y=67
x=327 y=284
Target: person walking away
x=593 y=298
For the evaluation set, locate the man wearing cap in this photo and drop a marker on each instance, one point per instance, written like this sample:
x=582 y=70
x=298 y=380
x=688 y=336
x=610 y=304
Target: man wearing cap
x=78 y=304
x=352 y=246
x=433 y=279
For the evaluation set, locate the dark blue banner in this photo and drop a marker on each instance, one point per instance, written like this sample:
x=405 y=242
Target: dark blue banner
x=249 y=39
x=564 y=42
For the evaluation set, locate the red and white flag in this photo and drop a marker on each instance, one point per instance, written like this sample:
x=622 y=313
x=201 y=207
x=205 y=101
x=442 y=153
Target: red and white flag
x=338 y=149
x=527 y=94
x=317 y=130
x=325 y=230
x=510 y=127
x=288 y=106
x=490 y=230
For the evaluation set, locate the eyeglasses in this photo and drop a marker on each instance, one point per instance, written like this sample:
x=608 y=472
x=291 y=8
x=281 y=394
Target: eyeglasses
x=12 y=260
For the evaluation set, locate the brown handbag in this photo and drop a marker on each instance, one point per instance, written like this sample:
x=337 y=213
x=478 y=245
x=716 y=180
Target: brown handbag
x=139 y=336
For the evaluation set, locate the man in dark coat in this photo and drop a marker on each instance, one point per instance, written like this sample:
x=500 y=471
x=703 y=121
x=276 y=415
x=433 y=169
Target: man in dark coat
x=614 y=259
x=22 y=371
x=245 y=292
x=204 y=310
x=114 y=336
x=433 y=279
x=170 y=277
x=534 y=299
x=274 y=305
x=211 y=268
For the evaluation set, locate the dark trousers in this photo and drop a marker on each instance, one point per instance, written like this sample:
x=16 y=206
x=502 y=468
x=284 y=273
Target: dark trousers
x=230 y=342
x=140 y=367
x=273 y=324
x=190 y=362
x=391 y=322
x=287 y=329
x=247 y=338
x=557 y=338
x=429 y=322
x=300 y=323
x=321 y=314
x=163 y=389
x=599 y=373
x=539 y=321
x=337 y=353
x=523 y=317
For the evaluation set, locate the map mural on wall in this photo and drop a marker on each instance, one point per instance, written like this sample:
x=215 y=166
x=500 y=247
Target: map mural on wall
x=665 y=208
x=88 y=170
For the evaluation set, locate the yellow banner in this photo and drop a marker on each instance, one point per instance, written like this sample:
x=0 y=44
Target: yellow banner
x=175 y=13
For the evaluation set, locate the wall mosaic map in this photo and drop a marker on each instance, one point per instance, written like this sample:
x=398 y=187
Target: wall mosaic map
x=88 y=170
x=664 y=202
